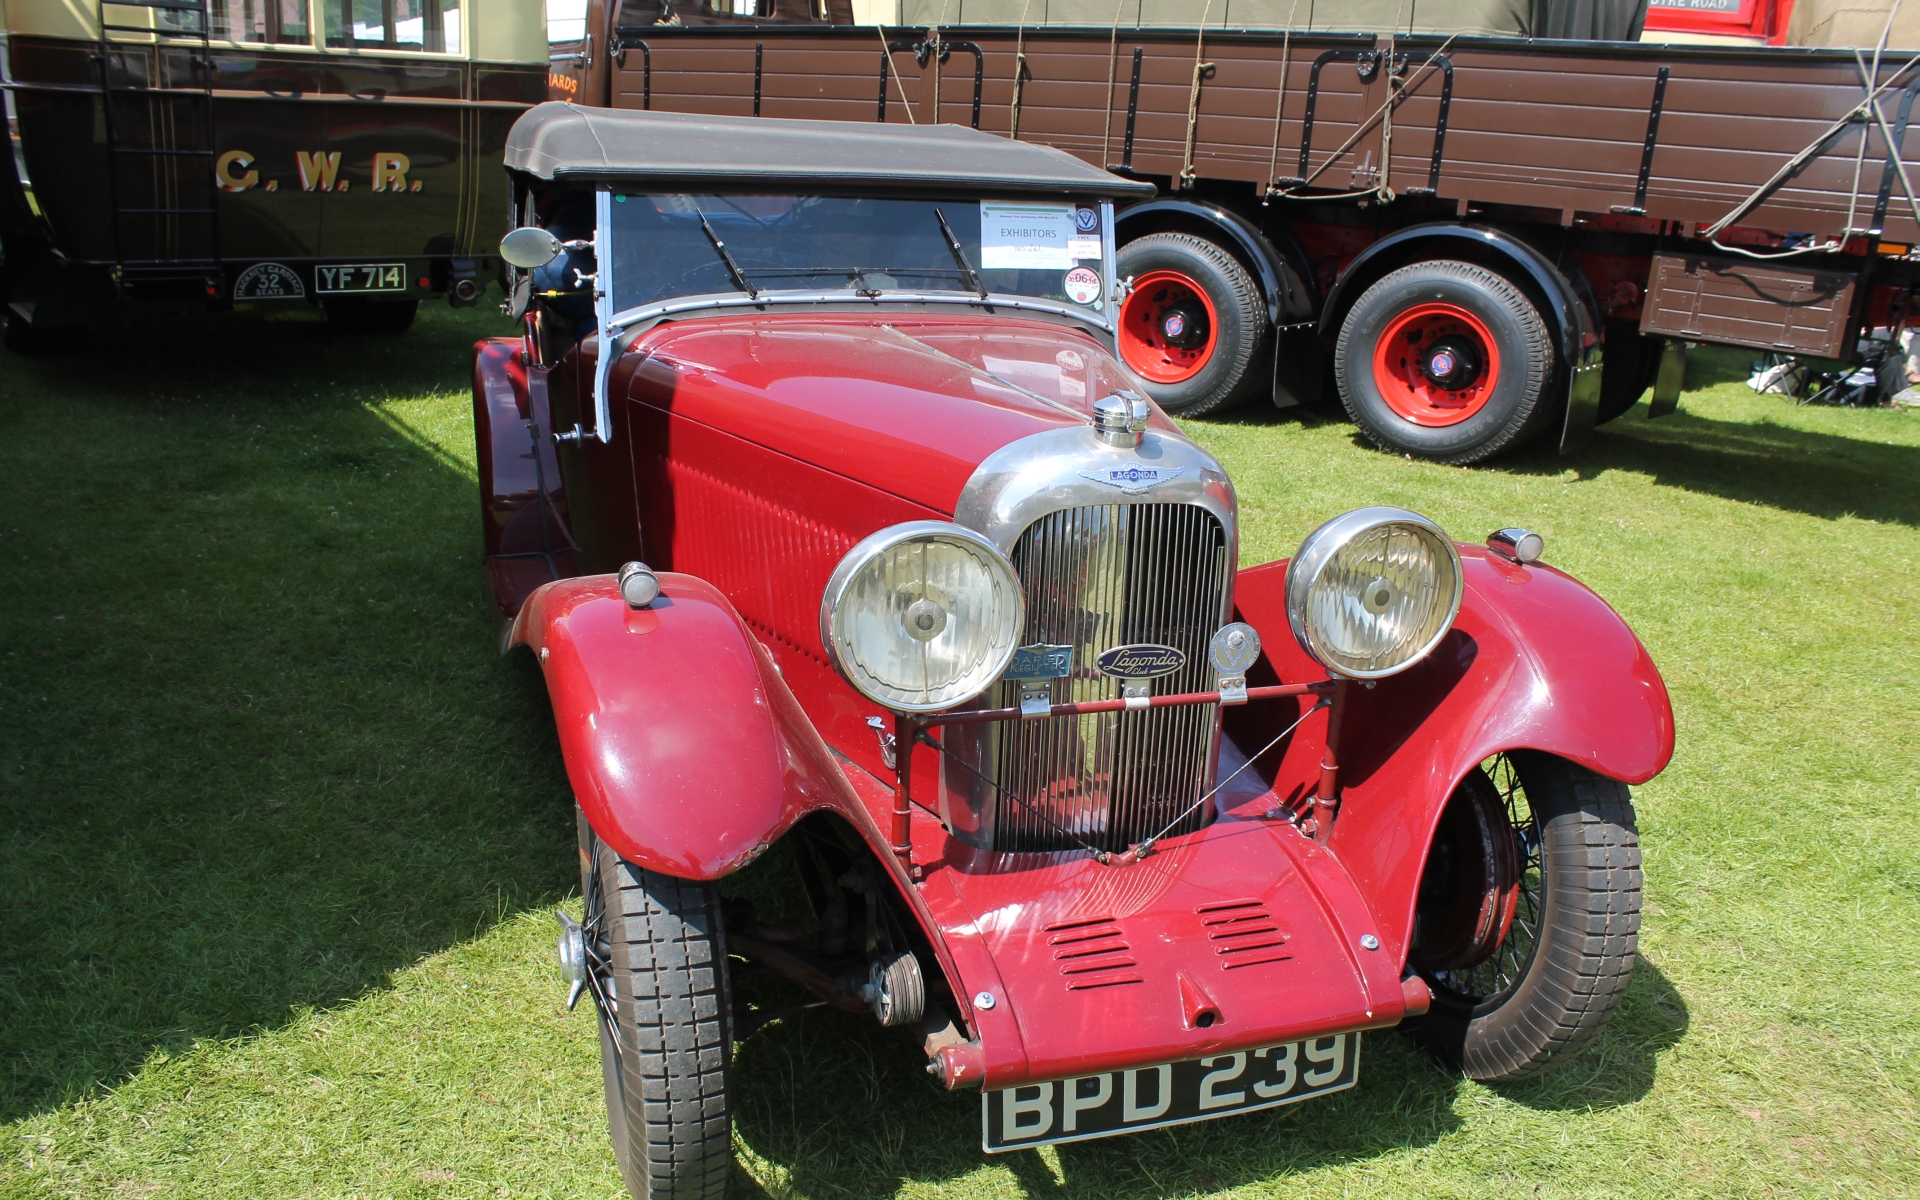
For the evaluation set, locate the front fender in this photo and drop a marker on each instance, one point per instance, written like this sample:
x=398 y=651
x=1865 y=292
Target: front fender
x=1536 y=661
x=685 y=750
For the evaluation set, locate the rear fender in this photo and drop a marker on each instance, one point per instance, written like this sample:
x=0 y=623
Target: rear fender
x=684 y=747
x=1536 y=661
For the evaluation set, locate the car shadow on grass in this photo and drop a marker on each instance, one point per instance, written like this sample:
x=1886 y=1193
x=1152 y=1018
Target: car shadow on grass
x=828 y=1103
x=257 y=752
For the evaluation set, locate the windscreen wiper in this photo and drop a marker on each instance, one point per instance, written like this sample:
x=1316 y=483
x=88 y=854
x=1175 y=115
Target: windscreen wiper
x=733 y=268
x=967 y=273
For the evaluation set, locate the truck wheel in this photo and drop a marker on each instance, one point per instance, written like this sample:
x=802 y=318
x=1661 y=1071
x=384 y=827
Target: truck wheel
x=357 y=314
x=1632 y=362
x=1193 y=326
x=1528 y=916
x=657 y=953
x=1445 y=360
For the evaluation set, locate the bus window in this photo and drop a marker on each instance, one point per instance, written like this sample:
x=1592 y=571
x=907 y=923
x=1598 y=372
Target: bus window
x=429 y=25
x=566 y=21
x=277 y=21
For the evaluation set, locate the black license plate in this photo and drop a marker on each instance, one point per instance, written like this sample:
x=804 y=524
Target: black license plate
x=360 y=277
x=1200 y=1089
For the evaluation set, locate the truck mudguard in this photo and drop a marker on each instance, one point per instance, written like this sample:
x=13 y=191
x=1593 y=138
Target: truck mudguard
x=1564 y=307
x=1536 y=661
x=1286 y=287
x=685 y=749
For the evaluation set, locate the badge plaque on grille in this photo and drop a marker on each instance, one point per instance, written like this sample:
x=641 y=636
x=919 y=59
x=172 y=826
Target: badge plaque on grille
x=1041 y=661
x=1134 y=478
x=1142 y=660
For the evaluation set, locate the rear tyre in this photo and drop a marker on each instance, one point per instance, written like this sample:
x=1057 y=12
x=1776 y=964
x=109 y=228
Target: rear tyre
x=1528 y=918
x=1194 y=326
x=1632 y=362
x=357 y=314
x=1447 y=361
x=658 y=956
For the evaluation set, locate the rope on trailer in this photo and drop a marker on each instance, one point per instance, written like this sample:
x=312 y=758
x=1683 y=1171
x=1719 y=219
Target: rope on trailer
x=1280 y=104
x=886 y=55
x=1294 y=193
x=1020 y=72
x=1113 y=59
x=1868 y=108
x=1893 y=149
x=1200 y=69
x=1384 y=189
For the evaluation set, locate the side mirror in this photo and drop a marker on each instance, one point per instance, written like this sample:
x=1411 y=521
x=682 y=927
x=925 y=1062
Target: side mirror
x=529 y=247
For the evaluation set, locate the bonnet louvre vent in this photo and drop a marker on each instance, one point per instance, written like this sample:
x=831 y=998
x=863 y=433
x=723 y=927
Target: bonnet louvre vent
x=1242 y=933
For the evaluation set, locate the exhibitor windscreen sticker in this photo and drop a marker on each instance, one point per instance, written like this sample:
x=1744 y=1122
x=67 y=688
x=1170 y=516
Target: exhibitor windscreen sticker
x=1025 y=236
x=1083 y=285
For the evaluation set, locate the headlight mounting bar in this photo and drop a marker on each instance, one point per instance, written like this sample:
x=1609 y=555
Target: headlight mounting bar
x=908 y=728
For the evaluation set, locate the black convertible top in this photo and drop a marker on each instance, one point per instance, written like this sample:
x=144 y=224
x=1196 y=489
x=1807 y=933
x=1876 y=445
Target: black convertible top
x=563 y=141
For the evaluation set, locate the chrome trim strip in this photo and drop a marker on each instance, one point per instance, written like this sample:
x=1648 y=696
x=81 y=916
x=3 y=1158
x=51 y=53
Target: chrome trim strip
x=7 y=86
x=1024 y=480
x=603 y=312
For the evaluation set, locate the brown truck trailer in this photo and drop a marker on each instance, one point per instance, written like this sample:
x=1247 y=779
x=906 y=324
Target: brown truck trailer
x=339 y=151
x=1472 y=235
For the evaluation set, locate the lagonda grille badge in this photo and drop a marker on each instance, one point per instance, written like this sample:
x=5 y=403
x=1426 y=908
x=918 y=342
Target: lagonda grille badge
x=1133 y=478
x=1142 y=660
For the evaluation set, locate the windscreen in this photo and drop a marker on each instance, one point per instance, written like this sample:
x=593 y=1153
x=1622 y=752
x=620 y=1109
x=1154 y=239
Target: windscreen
x=667 y=246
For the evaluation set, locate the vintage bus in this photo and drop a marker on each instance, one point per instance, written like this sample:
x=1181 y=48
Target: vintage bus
x=339 y=152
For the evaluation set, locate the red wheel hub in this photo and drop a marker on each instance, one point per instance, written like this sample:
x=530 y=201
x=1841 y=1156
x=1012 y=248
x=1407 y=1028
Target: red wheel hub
x=1436 y=364
x=1168 y=328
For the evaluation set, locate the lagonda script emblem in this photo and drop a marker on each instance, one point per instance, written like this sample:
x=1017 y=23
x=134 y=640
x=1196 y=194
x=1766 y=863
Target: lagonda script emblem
x=1133 y=478
x=1142 y=660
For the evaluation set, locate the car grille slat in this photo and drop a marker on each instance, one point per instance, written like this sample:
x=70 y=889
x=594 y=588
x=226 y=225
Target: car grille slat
x=1096 y=577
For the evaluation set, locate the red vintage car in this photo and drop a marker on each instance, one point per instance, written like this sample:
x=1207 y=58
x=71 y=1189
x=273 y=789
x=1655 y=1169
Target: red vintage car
x=838 y=532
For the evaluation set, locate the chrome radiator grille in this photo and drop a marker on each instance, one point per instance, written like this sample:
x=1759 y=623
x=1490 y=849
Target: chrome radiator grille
x=1096 y=577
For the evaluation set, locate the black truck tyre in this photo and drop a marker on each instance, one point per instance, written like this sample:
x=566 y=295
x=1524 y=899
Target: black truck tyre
x=657 y=949
x=1630 y=365
x=360 y=314
x=1194 y=326
x=1447 y=361
x=1549 y=984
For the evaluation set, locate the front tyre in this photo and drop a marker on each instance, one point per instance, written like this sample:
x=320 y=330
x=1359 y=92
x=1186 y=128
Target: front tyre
x=656 y=950
x=1193 y=327
x=1447 y=361
x=1528 y=917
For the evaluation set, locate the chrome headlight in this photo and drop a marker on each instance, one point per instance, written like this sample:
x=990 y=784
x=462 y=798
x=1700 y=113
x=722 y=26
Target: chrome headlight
x=922 y=616
x=1372 y=591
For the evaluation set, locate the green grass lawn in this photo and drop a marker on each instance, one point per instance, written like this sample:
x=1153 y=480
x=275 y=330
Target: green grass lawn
x=281 y=832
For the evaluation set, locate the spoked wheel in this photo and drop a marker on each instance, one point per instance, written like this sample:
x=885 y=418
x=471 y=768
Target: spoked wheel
x=1528 y=916
x=655 y=963
x=1193 y=325
x=1445 y=360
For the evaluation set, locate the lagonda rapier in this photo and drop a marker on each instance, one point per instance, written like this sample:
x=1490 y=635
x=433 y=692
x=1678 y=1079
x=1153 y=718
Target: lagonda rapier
x=816 y=489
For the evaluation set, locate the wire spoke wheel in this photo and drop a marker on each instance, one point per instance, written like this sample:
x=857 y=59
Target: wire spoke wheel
x=1495 y=975
x=1528 y=916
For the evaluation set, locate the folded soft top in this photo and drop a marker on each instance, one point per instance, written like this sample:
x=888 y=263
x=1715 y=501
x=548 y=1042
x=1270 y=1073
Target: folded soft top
x=567 y=142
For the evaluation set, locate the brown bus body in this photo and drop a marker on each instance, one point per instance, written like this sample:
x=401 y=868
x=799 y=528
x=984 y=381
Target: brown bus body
x=1588 y=173
x=170 y=165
